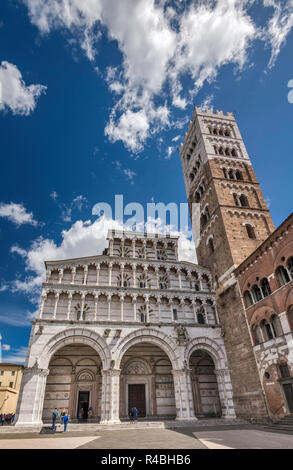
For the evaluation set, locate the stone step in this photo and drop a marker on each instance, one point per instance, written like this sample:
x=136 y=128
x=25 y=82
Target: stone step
x=281 y=429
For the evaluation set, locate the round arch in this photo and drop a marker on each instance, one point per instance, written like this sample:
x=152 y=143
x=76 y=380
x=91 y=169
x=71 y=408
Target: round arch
x=211 y=347
x=152 y=336
x=71 y=336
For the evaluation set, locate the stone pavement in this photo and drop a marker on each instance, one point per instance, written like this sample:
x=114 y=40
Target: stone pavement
x=217 y=437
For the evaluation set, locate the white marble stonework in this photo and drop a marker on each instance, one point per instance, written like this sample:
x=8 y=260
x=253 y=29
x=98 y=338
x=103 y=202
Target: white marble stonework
x=131 y=324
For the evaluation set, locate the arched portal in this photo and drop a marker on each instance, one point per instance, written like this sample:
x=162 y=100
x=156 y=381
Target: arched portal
x=205 y=390
x=147 y=382
x=74 y=383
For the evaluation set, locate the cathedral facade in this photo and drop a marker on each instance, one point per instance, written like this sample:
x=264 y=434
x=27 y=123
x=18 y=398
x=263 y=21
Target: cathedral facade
x=131 y=327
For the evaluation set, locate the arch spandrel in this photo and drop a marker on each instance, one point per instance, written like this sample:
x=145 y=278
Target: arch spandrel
x=74 y=336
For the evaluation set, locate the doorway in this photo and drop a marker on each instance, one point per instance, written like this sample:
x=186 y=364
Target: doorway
x=288 y=391
x=136 y=397
x=83 y=405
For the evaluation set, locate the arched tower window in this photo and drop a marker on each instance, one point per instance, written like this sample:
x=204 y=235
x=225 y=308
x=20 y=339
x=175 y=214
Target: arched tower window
x=276 y=325
x=282 y=276
x=250 y=232
x=211 y=246
x=290 y=266
x=257 y=293
x=243 y=201
x=265 y=287
x=248 y=300
x=238 y=175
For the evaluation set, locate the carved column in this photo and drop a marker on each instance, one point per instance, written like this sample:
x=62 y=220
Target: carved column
x=73 y=275
x=44 y=297
x=82 y=305
x=69 y=305
x=159 y=308
x=85 y=274
x=98 y=274
x=56 y=305
x=194 y=311
x=134 y=275
x=48 y=275
x=133 y=248
x=31 y=397
x=109 y=306
x=121 y=306
x=134 y=307
x=96 y=306
x=180 y=279
x=157 y=277
x=147 y=308
x=110 y=273
x=110 y=396
x=60 y=276
x=111 y=243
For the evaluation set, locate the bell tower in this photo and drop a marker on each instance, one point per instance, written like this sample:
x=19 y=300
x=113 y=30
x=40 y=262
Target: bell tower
x=234 y=221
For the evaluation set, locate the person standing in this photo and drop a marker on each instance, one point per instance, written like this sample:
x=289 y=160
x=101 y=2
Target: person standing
x=134 y=413
x=65 y=421
x=2 y=420
x=63 y=413
x=54 y=418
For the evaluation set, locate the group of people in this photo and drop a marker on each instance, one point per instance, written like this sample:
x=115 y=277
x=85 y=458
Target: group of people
x=133 y=414
x=7 y=418
x=63 y=418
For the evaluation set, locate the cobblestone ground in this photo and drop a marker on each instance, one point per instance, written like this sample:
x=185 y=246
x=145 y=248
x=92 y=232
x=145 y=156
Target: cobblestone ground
x=221 y=437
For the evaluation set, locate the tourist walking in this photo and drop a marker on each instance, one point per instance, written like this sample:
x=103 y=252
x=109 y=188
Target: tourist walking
x=133 y=413
x=54 y=419
x=65 y=421
x=63 y=413
x=2 y=420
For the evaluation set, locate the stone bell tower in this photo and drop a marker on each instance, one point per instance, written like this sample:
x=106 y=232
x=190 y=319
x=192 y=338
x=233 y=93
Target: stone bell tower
x=234 y=221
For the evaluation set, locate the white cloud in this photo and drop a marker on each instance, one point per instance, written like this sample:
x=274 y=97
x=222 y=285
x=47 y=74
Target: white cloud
x=160 y=46
x=129 y=174
x=170 y=150
x=16 y=356
x=6 y=347
x=279 y=26
x=54 y=195
x=14 y=94
x=17 y=214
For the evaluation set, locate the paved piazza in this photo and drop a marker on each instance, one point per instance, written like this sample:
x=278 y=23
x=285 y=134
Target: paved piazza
x=219 y=437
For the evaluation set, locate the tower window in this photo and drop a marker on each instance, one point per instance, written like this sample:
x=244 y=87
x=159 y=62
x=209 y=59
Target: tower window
x=211 y=246
x=265 y=287
x=290 y=267
x=231 y=175
x=282 y=275
x=248 y=299
x=200 y=317
x=250 y=232
x=238 y=175
x=175 y=314
x=243 y=201
x=257 y=293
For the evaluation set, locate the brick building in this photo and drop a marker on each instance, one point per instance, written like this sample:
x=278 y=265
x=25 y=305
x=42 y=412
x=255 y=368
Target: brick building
x=265 y=280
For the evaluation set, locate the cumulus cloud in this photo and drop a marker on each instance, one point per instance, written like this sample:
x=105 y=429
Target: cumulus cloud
x=6 y=347
x=161 y=44
x=84 y=238
x=14 y=94
x=16 y=355
x=17 y=214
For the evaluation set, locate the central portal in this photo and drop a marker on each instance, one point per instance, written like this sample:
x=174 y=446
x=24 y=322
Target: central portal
x=83 y=405
x=136 y=397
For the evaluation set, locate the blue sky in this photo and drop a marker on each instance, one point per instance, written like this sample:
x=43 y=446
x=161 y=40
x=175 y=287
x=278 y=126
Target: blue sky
x=95 y=100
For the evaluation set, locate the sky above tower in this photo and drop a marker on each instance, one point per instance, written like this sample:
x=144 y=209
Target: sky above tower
x=95 y=97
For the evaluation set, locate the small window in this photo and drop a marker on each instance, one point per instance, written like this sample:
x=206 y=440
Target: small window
x=11 y=384
x=282 y=275
x=257 y=293
x=2 y=372
x=200 y=318
x=265 y=287
x=211 y=246
x=13 y=372
x=284 y=371
x=290 y=267
x=175 y=314
x=250 y=232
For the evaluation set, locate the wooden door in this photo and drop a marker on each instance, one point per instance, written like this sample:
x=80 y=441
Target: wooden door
x=136 y=397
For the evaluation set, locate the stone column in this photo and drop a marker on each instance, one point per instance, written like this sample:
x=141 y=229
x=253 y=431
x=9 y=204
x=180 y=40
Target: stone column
x=122 y=248
x=85 y=274
x=48 y=275
x=109 y=307
x=225 y=393
x=133 y=249
x=44 y=297
x=144 y=249
x=111 y=243
x=96 y=305
x=204 y=306
x=121 y=306
x=134 y=275
x=110 y=273
x=69 y=305
x=157 y=277
x=134 y=307
x=60 y=275
x=73 y=275
x=82 y=306
x=122 y=274
x=31 y=397
x=183 y=394
x=147 y=309
x=180 y=280
x=98 y=274
x=159 y=308
x=110 y=396
x=56 y=305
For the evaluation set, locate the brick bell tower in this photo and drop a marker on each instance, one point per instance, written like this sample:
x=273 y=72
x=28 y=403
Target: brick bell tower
x=234 y=221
